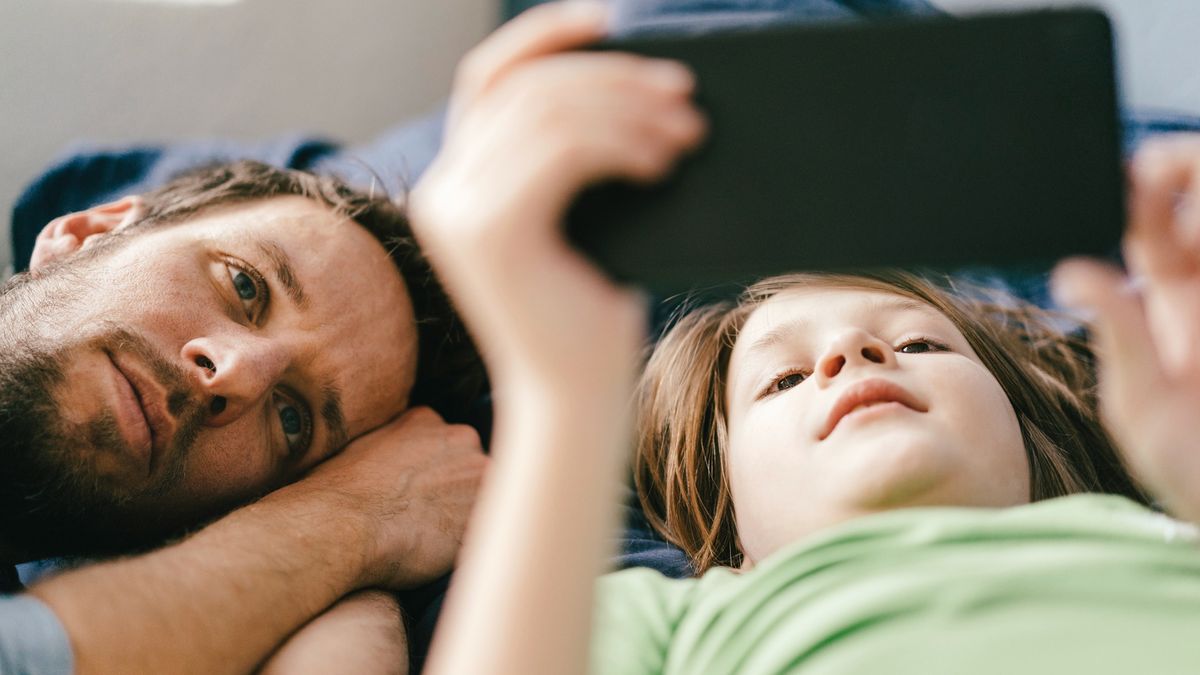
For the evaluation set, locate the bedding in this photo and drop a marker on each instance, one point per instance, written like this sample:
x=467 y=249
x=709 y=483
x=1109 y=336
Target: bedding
x=90 y=174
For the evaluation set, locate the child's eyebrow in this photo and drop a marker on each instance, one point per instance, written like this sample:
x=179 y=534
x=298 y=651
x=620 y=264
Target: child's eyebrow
x=900 y=304
x=780 y=334
x=785 y=331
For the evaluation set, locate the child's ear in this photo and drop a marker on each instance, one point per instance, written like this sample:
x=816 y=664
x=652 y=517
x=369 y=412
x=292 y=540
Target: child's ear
x=68 y=234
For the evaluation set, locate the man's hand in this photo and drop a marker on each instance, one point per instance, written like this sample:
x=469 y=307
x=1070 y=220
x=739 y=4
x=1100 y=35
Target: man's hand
x=1147 y=325
x=389 y=510
x=413 y=481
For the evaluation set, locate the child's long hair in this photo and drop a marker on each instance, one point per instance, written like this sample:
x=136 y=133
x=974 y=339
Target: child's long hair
x=1048 y=375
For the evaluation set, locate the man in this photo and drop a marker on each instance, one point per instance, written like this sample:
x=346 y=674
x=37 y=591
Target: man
x=172 y=356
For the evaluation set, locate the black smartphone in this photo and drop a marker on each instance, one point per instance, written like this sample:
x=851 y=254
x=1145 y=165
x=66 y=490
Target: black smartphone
x=942 y=143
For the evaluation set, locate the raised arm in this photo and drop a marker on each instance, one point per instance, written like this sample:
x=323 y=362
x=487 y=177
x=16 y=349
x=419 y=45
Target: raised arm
x=530 y=127
x=1147 y=324
x=387 y=511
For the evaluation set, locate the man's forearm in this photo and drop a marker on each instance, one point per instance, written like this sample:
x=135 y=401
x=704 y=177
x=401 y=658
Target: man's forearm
x=221 y=600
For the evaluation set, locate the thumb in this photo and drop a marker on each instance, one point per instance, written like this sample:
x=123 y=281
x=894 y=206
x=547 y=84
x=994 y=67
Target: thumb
x=1129 y=369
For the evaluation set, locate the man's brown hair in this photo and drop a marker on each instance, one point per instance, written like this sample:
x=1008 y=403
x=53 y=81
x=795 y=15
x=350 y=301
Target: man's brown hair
x=1047 y=374
x=450 y=375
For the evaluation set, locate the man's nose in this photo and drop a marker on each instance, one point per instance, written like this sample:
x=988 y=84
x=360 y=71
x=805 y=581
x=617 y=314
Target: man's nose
x=849 y=349
x=235 y=372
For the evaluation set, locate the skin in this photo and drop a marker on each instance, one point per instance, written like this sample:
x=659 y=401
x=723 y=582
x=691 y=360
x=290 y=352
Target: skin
x=529 y=127
x=267 y=360
x=798 y=353
x=370 y=620
x=377 y=514
x=561 y=340
x=388 y=510
x=1147 y=323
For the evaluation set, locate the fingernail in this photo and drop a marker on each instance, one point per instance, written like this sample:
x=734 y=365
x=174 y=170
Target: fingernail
x=1062 y=289
x=673 y=74
x=586 y=9
x=1068 y=300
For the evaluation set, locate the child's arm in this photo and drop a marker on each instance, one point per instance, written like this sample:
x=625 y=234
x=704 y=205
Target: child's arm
x=1147 y=325
x=362 y=633
x=530 y=126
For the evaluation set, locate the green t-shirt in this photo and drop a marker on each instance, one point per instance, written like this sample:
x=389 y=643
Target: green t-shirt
x=1086 y=584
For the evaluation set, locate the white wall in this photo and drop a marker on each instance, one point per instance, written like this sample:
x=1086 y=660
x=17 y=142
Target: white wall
x=113 y=70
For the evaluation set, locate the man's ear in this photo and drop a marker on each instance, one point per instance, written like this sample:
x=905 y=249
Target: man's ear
x=68 y=234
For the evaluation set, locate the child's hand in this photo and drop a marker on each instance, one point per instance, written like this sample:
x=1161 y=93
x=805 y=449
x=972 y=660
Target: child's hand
x=1147 y=326
x=530 y=126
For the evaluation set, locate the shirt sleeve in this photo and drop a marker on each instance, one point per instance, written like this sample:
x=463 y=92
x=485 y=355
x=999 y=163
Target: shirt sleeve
x=32 y=641
x=637 y=613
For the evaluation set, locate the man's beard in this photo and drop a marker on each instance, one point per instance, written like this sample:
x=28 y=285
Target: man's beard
x=52 y=502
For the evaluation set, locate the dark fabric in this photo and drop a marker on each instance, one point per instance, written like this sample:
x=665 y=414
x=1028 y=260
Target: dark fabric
x=643 y=17
x=1141 y=125
x=641 y=546
x=9 y=582
x=89 y=175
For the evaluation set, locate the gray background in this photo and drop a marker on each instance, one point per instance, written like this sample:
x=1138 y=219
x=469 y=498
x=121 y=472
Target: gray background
x=136 y=70
x=139 y=70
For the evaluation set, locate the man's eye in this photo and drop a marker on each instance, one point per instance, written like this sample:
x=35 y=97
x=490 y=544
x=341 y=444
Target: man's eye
x=297 y=428
x=250 y=288
x=244 y=285
x=921 y=346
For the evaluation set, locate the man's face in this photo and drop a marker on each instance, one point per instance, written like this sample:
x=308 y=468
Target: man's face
x=207 y=362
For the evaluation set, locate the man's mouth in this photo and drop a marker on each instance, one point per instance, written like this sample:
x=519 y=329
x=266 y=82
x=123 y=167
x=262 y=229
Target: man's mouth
x=872 y=393
x=142 y=410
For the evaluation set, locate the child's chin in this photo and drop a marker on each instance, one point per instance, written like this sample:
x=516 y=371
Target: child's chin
x=897 y=469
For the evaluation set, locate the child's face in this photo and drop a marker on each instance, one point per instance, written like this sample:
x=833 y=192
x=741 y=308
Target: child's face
x=843 y=402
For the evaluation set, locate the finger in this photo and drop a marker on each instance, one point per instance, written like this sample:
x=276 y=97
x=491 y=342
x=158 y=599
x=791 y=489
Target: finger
x=609 y=73
x=1130 y=370
x=615 y=115
x=544 y=29
x=665 y=139
x=639 y=139
x=646 y=105
x=1162 y=171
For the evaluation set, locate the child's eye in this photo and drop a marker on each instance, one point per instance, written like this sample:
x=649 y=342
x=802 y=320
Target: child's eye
x=921 y=346
x=789 y=381
x=785 y=381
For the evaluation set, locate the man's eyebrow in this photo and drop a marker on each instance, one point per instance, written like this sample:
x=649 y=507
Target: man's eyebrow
x=283 y=271
x=331 y=412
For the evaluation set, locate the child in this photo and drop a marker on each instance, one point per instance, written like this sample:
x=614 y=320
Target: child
x=823 y=438
x=690 y=414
